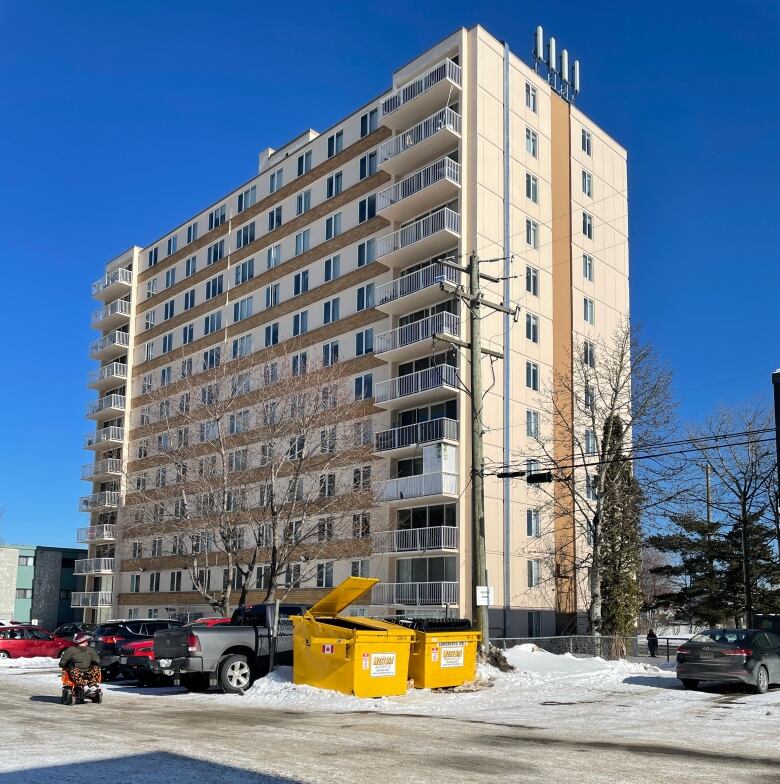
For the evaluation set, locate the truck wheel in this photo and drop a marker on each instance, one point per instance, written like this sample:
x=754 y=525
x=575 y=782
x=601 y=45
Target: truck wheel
x=195 y=681
x=235 y=674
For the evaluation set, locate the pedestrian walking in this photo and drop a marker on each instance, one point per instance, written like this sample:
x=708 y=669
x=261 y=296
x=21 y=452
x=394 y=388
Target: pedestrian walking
x=652 y=642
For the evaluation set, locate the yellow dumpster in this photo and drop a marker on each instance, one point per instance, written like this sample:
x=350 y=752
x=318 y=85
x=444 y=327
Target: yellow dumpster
x=357 y=656
x=444 y=652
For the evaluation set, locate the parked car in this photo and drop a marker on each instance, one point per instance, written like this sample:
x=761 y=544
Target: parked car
x=216 y=621
x=109 y=636
x=22 y=640
x=69 y=630
x=750 y=656
x=230 y=656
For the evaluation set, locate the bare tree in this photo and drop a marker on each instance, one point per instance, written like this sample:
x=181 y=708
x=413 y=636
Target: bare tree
x=252 y=468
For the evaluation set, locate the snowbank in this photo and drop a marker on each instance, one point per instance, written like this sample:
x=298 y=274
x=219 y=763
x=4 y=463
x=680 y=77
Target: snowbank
x=29 y=663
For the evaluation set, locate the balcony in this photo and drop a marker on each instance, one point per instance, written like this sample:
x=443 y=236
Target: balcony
x=99 y=502
x=434 y=184
x=438 y=487
x=435 y=136
x=90 y=599
x=94 y=566
x=424 y=386
x=404 y=441
x=415 y=593
x=115 y=314
x=108 y=406
x=107 y=376
x=416 y=540
x=402 y=343
x=105 y=438
x=414 y=291
x=115 y=344
x=417 y=99
x=114 y=285
x=101 y=470
x=97 y=534
x=422 y=239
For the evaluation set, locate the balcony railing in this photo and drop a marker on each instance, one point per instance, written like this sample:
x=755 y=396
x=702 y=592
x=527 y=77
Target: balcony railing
x=428 y=276
x=94 y=566
x=413 y=539
x=414 y=383
x=119 y=339
x=443 y=169
x=106 y=403
x=441 y=220
x=110 y=465
x=119 y=307
x=424 y=329
x=444 y=70
x=111 y=433
x=112 y=370
x=421 y=433
x=97 y=533
x=120 y=275
x=90 y=599
x=108 y=499
x=443 y=119
x=415 y=593
x=419 y=486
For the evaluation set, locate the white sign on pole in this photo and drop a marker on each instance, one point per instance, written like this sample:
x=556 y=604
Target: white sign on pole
x=484 y=595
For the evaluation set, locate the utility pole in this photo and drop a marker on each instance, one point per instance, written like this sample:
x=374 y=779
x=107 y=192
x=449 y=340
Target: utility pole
x=709 y=505
x=776 y=388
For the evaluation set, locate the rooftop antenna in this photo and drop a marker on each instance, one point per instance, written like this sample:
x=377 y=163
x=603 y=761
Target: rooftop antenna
x=565 y=72
x=538 y=47
x=552 y=65
x=575 y=77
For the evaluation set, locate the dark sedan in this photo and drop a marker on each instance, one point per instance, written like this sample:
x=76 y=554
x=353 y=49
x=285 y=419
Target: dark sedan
x=749 y=656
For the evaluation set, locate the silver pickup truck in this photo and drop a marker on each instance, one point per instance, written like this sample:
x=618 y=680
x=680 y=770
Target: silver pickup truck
x=230 y=656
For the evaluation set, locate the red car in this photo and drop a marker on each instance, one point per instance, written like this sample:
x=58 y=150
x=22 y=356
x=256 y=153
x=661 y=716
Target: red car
x=216 y=621
x=27 y=640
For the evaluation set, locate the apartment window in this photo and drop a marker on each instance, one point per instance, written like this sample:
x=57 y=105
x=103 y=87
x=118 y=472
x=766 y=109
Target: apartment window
x=335 y=143
x=187 y=335
x=531 y=143
x=534 y=623
x=589 y=354
x=333 y=226
x=167 y=343
x=242 y=309
x=292 y=576
x=359 y=568
x=216 y=217
x=149 y=319
x=165 y=376
x=364 y=342
x=170 y=277
x=327 y=485
x=587 y=183
x=245 y=271
x=361 y=525
x=211 y=358
x=299 y=362
x=135 y=582
x=530 y=97
x=189 y=299
x=146 y=384
x=304 y=163
x=590 y=491
x=300 y=323
x=212 y=322
x=297 y=445
x=366 y=253
x=163 y=440
x=143 y=448
x=240 y=385
x=145 y=417
x=532 y=376
x=275 y=218
x=587 y=267
x=532 y=423
x=364 y=387
x=215 y=252
x=532 y=327
x=532 y=280
x=328 y=440
x=270 y=373
x=192 y=232
x=169 y=309
x=245 y=235
x=363 y=433
x=366 y=208
x=590 y=442
x=333 y=185
x=369 y=122
x=330 y=353
x=272 y=334
x=365 y=297
x=534 y=567
x=190 y=266
x=272 y=295
x=214 y=287
x=301 y=242
x=531 y=233
x=533 y=523
x=182 y=438
x=301 y=282
x=247 y=199
x=26 y=560
x=151 y=288
x=152 y=257
x=367 y=165
x=172 y=243
x=332 y=268
x=276 y=180
x=204 y=577
x=586 y=142
x=303 y=202
x=588 y=398
x=587 y=225
x=154 y=582
x=325 y=575
x=361 y=478
x=238 y=422
x=174 y=586
x=157 y=547
x=273 y=256
x=242 y=346
x=209 y=394
x=330 y=311
x=589 y=310
x=532 y=188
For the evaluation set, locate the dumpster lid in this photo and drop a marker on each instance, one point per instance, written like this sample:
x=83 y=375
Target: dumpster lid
x=343 y=595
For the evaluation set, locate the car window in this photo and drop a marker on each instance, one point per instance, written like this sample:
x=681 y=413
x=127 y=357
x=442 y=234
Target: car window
x=722 y=636
x=37 y=634
x=136 y=628
x=773 y=640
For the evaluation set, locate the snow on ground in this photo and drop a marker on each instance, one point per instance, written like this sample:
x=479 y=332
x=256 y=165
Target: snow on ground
x=29 y=663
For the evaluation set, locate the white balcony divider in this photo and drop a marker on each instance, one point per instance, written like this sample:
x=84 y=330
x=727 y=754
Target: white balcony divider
x=110 y=465
x=93 y=565
x=104 y=403
x=90 y=599
x=116 y=338
x=420 y=433
x=413 y=539
x=442 y=219
x=444 y=118
x=423 y=329
x=428 y=276
x=96 y=533
x=108 y=499
x=111 y=433
x=117 y=307
x=443 y=169
x=117 y=369
x=415 y=593
x=444 y=70
x=412 y=384
x=419 y=486
x=120 y=275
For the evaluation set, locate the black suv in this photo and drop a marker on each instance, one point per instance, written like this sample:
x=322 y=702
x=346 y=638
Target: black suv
x=70 y=630
x=108 y=637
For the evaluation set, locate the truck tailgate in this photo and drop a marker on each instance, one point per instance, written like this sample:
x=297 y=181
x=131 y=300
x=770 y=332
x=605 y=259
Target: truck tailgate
x=171 y=643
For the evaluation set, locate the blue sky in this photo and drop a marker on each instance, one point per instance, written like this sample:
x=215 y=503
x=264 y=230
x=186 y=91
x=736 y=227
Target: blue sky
x=123 y=119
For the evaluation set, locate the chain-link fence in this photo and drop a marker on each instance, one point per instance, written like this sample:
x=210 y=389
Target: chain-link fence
x=605 y=647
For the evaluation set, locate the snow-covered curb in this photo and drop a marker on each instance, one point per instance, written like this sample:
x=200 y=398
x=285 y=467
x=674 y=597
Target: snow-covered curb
x=29 y=663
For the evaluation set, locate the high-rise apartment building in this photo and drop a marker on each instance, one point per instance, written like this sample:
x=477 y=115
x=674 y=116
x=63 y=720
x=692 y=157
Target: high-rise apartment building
x=332 y=253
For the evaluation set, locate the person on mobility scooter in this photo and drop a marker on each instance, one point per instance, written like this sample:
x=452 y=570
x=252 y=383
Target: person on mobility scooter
x=80 y=672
